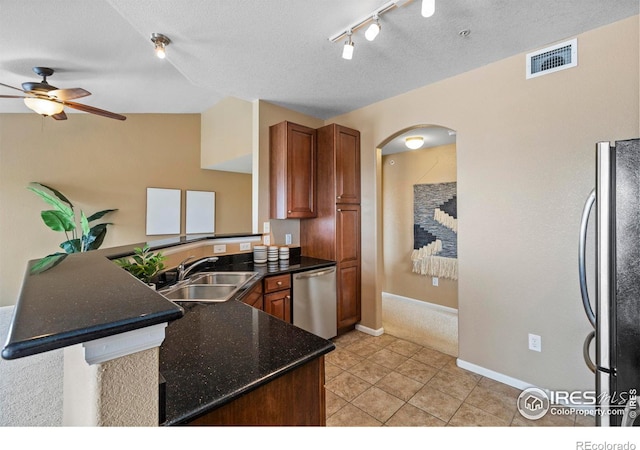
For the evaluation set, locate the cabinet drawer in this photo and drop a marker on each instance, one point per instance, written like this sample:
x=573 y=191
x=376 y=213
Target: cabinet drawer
x=277 y=283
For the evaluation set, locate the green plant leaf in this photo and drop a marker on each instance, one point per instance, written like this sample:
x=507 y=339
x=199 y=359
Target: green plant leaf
x=48 y=262
x=84 y=223
x=72 y=246
x=57 y=220
x=97 y=234
x=55 y=192
x=99 y=214
x=60 y=205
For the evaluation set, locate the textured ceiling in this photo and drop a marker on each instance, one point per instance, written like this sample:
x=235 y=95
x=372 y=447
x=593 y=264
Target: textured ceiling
x=275 y=50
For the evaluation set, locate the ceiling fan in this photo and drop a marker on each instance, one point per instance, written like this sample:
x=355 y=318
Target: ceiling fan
x=48 y=100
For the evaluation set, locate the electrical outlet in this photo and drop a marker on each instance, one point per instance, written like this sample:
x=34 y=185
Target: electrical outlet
x=266 y=239
x=535 y=342
x=266 y=227
x=245 y=246
x=434 y=281
x=287 y=239
x=219 y=248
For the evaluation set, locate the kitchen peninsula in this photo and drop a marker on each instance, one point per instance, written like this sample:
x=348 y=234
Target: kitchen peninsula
x=214 y=357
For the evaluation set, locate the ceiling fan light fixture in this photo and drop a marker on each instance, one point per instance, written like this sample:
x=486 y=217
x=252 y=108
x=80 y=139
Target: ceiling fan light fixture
x=43 y=106
x=414 y=142
x=160 y=41
x=373 y=30
x=428 y=8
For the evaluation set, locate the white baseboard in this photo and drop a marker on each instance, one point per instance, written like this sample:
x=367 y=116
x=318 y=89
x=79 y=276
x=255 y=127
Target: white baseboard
x=504 y=379
x=371 y=331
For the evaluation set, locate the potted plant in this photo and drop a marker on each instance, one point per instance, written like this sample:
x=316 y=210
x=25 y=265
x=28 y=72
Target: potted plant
x=63 y=218
x=143 y=264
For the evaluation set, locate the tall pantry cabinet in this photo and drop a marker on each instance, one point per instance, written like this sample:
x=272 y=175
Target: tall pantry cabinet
x=335 y=233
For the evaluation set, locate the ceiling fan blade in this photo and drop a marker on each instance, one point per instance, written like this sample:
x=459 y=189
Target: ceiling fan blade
x=93 y=110
x=60 y=116
x=11 y=87
x=13 y=96
x=68 y=94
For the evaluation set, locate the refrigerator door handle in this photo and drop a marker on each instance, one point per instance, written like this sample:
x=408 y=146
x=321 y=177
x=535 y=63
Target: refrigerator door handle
x=585 y=351
x=582 y=257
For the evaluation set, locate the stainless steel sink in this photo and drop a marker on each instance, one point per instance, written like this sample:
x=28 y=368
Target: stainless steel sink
x=234 y=278
x=208 y=286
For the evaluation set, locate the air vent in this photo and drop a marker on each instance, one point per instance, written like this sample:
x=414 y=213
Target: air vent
x=552 y=59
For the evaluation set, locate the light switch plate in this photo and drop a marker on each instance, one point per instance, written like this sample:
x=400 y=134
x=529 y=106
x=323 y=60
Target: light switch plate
x=434 y=281
x=219 y=248
x=245 y=246
x=266 y=239
x=266 y=227
x=287 y=239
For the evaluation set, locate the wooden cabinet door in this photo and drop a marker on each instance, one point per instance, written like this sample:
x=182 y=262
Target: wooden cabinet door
x=301 y=172
x=292 y=171
x=254 y=296
x=278 y=304
x=348 y=311
x=347 y=160
x=347 y=234
x=348 y=258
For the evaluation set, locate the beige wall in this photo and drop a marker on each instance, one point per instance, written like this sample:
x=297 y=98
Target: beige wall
x=101 y=163
x=525 y=154
x=226 y=133
x=429 y=165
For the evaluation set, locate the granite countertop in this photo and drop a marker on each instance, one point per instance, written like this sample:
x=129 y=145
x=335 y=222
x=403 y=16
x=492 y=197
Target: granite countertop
x=87 y=297
x=220 y=351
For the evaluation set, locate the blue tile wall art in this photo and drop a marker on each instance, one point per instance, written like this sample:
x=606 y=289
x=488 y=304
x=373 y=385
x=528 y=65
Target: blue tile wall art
x=435 y=230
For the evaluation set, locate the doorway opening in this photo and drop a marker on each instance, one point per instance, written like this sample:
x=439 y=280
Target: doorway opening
x=419 y=236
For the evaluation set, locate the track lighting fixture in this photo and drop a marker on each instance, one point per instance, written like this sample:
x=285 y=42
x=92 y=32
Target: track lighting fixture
x=160 y=41
x=347 y=50
x=373 y=30
x=428 y=8
x=373 y=20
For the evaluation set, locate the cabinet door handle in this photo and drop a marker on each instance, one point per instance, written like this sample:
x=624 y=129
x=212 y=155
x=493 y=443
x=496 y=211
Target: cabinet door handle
x=289 y=212
x=279 y=283
x=339 y=197
x=339 y=210
x=288 y=297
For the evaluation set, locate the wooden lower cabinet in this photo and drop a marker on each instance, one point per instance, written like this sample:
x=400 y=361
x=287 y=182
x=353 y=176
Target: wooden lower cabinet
x=272 y=295
x=278 y=304
x=296 y=398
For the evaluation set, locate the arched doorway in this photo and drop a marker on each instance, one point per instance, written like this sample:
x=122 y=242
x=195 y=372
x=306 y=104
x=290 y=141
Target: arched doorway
x=419 y=236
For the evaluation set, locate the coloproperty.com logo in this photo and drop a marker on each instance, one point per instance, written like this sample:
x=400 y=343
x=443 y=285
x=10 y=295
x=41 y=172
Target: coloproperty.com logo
x=534 y=403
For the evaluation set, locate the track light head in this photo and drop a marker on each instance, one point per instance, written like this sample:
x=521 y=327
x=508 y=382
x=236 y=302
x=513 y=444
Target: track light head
x=347 y=50
x=160 y=41
x=374 y=29
x=428 y=8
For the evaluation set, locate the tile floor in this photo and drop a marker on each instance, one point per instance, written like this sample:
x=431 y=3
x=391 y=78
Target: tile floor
x=387 y=381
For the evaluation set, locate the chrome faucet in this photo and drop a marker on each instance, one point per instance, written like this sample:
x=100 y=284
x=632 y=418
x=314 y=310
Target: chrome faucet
x=182 y=272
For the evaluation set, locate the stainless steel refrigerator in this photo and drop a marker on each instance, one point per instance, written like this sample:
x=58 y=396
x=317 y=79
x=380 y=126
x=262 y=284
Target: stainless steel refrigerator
x=614 y=307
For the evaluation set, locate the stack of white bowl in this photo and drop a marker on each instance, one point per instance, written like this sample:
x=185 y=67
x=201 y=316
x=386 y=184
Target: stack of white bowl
x=284 y=252
x=260 y=254
x=272 y=253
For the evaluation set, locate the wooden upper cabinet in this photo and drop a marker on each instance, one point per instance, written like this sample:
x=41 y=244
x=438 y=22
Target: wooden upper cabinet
x=292 y=168
x=343 y=146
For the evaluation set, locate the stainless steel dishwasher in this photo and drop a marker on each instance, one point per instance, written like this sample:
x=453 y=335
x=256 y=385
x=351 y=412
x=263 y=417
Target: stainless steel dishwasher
x=314 y=301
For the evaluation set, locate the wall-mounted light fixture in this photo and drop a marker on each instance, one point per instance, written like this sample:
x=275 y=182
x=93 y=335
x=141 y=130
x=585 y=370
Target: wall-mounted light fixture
x=160 y=41
x=373 y=20
x=414 y=142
